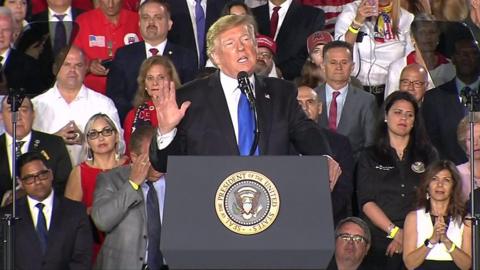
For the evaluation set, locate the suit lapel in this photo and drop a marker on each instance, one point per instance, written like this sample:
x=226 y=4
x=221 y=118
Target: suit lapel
x=347 y=109
x=27 y=227
x=263 y=20
x=4 y=166
x=323 y=121
x=169 y=50
x=264 y=110
x=217 y=103
x=288 y=22
x=55 y=222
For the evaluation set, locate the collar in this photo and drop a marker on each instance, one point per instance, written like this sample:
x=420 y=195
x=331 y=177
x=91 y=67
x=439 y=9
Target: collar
x=342 y=90
x=82 y=93
x=160 y=47
x=460 y=85
x=67 y=12
x=230 y=85
x=283 y=6
x=48 y=202
x=9 y=138
x=105 y=21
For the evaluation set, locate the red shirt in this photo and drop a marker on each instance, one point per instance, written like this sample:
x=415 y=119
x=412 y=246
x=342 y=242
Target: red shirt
x=100 y=39
x=145 y=114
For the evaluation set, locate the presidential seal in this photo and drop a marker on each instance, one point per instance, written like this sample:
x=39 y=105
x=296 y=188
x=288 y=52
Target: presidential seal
x=247 y=202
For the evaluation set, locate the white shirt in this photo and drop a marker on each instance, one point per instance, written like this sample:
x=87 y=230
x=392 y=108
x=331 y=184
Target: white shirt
x=160 y=47
x=53 y=113
x=340 y=99
x=282 y=12
x=68 y=15
x=191 y=9
x=232 y=96
x=5 y=55
x=9 y=142
x=47 y=209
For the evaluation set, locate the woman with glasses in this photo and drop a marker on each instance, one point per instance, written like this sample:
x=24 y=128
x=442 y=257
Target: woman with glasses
x=153 y=72
x=387 y=176
x=101 y=145
x=437 y=235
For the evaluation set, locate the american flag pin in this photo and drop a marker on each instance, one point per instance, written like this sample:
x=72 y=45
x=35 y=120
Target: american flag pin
x=170 y=52
x=267 y=96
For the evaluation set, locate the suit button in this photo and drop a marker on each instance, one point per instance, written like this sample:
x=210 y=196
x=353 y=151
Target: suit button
x=144 y=237
x=402 y=185
x=141 y=258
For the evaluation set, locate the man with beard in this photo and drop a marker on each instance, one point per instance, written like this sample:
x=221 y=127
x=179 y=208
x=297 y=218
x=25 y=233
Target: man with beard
x=155 y=23
x=351 y=245
x=267 y=48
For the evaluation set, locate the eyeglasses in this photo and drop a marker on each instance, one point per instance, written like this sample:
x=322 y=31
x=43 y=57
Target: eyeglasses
x=416 y=84
x=357 y=239
x=93 y=134
x=265 y=55
x=30 y=178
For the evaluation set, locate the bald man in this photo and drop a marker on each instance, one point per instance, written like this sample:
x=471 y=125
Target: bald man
x=342 y=152
x=414 y=79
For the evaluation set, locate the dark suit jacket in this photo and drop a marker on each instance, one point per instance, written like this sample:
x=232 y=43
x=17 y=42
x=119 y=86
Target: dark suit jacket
x=442 y=111
x=300 y=21
x=207 y=128
x=39 y=29
x=69 y=238
x=182 y=29
x=52 y=147
x=22 y=71
x=122 y=77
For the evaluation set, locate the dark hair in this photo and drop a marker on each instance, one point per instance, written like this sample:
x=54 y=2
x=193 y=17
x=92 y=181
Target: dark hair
x=159 y=2
x=419 y=146
x=62 y=54
x=28 y=157
x=138 y=136
x=338 y=44
x=358 y=221
x=5 y=99
x=456 y=206
x=229 y=5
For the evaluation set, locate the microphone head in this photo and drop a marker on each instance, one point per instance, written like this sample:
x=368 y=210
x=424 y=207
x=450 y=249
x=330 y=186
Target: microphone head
x=242 y=75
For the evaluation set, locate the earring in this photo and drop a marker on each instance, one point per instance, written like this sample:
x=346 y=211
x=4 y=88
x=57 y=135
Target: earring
x=385 y=120
x=427 y=196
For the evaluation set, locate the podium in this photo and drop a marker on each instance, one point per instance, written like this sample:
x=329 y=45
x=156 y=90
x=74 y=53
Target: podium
x=299 y=235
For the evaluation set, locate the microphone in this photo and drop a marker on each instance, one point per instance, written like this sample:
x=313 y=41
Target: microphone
x=246 y=87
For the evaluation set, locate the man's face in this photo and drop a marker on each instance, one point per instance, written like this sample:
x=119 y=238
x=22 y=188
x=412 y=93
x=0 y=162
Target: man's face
x=264 y=61
x=73 y=70
x=349 y=251
x=6 y=33
x=24 y=121
x=154 y=23
x=307 y=98
x=59 y=5
x=235 y=50
x=317 y=55
x=18 y=8
x=238 y=10
x=413 y=81
x=338 y=65
x=111 y=8
x=466 y=58
x=36 y=180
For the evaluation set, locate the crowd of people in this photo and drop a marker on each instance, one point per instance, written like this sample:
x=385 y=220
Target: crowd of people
x=112 y=88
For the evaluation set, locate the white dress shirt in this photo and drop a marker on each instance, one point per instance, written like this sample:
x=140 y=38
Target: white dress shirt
x=9 y=142
x=160 y=47
x=68 y=19
x=340 y=100
x=47 y=209
x=191 y=9
x=53 y=113
x=282 y=12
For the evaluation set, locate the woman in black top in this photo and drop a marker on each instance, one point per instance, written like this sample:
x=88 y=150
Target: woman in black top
x=388 y=174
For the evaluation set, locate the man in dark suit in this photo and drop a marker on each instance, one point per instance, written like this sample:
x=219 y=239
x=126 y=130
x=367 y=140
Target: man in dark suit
x=185 y=29
x=19 y=70
x=442 y=106
x=154 y=24
x=214 y=104
x=50 y=146
x=291 y=33
x=53 y=232
x=122 y=209
x=350 y=110
x=342 y=189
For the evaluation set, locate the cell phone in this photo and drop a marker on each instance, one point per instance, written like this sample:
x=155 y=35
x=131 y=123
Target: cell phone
x=106 y=63
x=374 y=3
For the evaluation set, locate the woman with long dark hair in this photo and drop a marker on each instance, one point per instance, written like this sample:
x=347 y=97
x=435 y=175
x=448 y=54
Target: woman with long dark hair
x=387 y=176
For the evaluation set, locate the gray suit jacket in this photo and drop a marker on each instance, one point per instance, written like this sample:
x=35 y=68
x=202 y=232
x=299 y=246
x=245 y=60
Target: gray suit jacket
x=358 y=118
x=119 y=211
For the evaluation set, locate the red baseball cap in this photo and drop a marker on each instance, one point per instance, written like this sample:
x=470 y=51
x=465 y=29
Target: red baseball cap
x=267 y=42
x=319 y=37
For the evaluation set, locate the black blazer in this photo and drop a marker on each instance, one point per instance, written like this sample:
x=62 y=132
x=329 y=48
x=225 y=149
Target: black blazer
x=182 y=29
x=52 y=147
x=300 y=21
x=207 y=128
x=69 y=238
x=122 y=77
x=442 y=111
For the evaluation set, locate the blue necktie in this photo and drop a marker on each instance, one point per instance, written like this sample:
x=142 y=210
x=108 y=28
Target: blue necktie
x=154 y=228
x=42 y=231
x=60 y=39
x=246 y=126
x=200 y=22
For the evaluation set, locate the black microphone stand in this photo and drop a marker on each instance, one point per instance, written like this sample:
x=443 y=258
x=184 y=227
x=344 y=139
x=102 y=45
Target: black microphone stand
x=15 y=99
x=472 y=103
x=253 y=106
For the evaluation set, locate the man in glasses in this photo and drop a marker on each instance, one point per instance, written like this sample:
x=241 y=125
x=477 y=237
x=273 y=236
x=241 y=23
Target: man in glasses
x=64 y=109
x=265 y=66
x=414 y=79
x=54 y=231
x=351 y=245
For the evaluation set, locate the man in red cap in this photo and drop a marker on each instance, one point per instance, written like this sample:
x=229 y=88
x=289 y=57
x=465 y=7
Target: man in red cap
x=315 y=43
x=265 y=66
